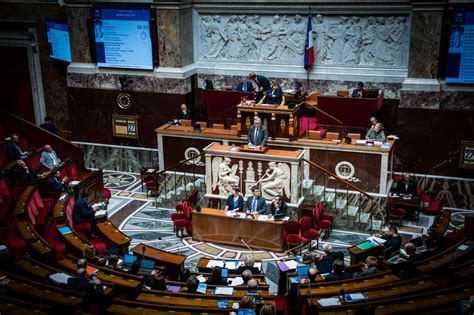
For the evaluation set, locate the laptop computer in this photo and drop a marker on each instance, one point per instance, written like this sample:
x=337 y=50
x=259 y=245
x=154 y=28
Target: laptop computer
x=302 y=270
x=146 y=267
x=127 y=262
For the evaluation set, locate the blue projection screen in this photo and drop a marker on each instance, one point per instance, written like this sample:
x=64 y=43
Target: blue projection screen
x=58 y=41
x=122 y=38
x=461 y=49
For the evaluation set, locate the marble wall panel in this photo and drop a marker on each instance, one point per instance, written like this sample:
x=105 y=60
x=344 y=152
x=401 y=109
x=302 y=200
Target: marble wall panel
x=415 y=99
x=109 y=81
x=77 y=18
x=327 y=87
x=457 y=100
x=424 y=44
x=169 y=50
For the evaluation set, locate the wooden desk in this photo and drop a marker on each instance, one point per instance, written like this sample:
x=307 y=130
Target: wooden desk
x=37 y=246
x=412 y=202
x=149 y=172
x=281 y=121
x=212 y=225
x=173 y=262
x=74 y=243
x=359 y=255
x=114 y=236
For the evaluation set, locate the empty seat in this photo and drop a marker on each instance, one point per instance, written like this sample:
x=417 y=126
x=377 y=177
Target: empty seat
x=332 y=136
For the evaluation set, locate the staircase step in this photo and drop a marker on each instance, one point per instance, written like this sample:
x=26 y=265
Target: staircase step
x=307 y=183
x=352 y=211
x=364 y=218
x=318 y=190
x=376 y=224
x=341 y=203
x=329 y=197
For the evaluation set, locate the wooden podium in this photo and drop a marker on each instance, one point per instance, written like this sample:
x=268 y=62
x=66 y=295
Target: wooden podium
x=281 y=121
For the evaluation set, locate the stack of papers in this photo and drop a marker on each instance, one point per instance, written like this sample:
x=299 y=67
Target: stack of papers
x=287 y=265
x=215 y=263
x=173 y=288
x=99 y=213
x=224 y=291
x=231 y=264
x=463 y=247
x=201 y=278
x=329 y=302
x=376 y=240
x=59 y=277
x=263 y=217
x=74 y=183
x=236 y=281
x=354 y=297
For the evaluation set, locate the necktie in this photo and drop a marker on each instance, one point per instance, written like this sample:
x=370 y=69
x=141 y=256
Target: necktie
x=244 y=87
x=255 y=136
x=53 y=156
x=254 y=204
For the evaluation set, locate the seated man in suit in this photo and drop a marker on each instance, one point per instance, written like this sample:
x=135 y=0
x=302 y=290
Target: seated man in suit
x=369 y=268
x=24 y=173
x=244 y=86
x=324 y=261
x=249 y=263
x=83 y=283
x=49 y=158
x=359 y=90
x=338 y=272
x=81 y=212
x=278 y=207
x=49 y=125
x=406 y=187
x=58 y=183
x=393 y=241
x=184 y=112
x=13 y=150
x=258 y=134
x=376 y=133
x=256 y=203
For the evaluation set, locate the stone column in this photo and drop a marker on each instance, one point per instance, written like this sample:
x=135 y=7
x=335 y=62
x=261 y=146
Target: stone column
x=422 y=88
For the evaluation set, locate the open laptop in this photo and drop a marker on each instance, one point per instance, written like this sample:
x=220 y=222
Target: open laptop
x=146 y=267
x=302 y=271
x=127 y=262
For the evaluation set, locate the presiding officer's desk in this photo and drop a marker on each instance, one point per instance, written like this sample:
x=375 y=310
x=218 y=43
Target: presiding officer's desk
x=369 y=165
x=213 y=225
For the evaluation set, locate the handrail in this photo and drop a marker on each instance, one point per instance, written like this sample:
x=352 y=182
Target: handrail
x=322 y=169
x=329 y=115
x=179 y=163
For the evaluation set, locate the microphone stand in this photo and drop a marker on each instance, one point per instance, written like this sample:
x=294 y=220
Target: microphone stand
x=248 y=247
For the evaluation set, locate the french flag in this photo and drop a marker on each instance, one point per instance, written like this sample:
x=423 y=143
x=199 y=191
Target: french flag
x=309 y=50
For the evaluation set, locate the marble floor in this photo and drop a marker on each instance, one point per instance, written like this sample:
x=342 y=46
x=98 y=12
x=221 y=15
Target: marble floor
x=136 y=214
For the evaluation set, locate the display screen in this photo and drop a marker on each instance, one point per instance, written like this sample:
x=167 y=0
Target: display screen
x=58 y=40
x=461 y=48
x=122 y=37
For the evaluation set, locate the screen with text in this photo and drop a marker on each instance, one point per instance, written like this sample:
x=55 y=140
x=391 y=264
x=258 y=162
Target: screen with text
x=461 y=48
x=122 y=38
x=58 y=41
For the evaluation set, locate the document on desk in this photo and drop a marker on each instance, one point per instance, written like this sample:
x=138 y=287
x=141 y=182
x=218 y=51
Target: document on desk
x=231 y=264
x=236 y=281
x=376 y=240
x=287 y=265
x=224 y=291
x=99 y=213
x=215 y=263
x=463 y=247
x=329 y=302
x=263 y=217
x=60 y=277
x=201 y=278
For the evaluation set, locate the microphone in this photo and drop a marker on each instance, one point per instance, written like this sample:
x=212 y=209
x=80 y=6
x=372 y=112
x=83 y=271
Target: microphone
x=242 y=240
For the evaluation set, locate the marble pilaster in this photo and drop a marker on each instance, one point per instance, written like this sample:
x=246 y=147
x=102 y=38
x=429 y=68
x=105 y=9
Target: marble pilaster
x=79 y=36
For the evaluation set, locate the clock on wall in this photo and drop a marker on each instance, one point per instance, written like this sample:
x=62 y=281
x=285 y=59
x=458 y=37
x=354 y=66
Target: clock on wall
x=124 y=100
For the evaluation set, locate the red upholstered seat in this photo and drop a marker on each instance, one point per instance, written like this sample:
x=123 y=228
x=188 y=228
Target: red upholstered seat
x=394 y=213
x=85 y=231
x=322 y=221
x=179 y=214
x=425 y=198
x=13 y=237
x=434 y=207
x=292 y=234
x=53 y=237
x=107 y=194
x=308 y=231
x=184 y=223
x=398 y=212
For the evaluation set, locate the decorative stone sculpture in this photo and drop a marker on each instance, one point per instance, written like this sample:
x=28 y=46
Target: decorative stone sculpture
x=276 y=180
x=224 y=176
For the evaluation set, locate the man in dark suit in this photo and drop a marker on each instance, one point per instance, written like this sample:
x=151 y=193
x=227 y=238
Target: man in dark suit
x=359 y=90
x=406 y=187
x=49 y=125
x=244 y=86
x=83 y=283
x=184 y=112
x=393 y=241
x=81 y=212
x=325 y=261
x=256 y=203
x=13 y=150
x=58 y=183
x=258 y=134
x=24 y=173
x=338 y=272
x=278 y=207
x=260 y=84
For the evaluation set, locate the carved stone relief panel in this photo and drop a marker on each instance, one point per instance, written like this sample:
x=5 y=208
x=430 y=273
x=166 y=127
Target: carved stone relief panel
x=338 y=40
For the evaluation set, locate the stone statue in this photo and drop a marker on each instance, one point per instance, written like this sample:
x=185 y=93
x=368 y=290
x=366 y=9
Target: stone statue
x=224 y=176
x=276 y=180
